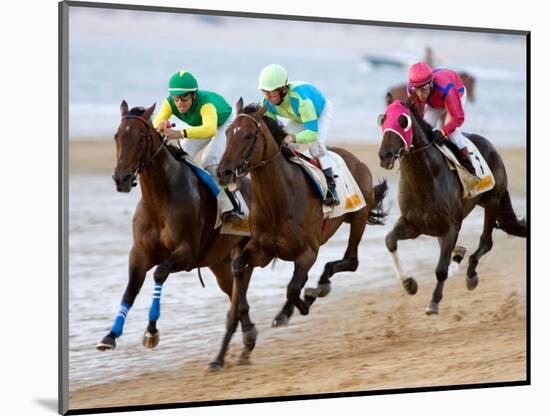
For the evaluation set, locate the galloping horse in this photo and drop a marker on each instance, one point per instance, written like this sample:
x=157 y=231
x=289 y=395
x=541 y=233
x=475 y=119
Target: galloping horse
x=286 y=216
x=399 y=92
x=173 y=225
x=431 y=202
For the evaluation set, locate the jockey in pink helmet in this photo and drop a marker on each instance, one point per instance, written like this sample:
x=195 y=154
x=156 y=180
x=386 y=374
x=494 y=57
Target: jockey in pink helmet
x=440 y=94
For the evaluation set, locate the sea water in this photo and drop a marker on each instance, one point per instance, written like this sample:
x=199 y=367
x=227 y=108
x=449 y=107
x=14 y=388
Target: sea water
x=116 y=55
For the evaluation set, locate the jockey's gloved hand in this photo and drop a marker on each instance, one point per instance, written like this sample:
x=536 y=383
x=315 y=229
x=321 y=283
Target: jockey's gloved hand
x=438 y=136
x=290 y=138
x=172 y=134
x=164 y=124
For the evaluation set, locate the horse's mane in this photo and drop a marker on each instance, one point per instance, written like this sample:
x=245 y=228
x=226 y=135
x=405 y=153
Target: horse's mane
x=423 y=125
x=136 y=111
x=277 y=129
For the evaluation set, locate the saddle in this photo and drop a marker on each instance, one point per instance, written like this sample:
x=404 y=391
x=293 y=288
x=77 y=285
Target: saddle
x=351 y=197
x=223 y=202
x=471 y=186
x=290 y=153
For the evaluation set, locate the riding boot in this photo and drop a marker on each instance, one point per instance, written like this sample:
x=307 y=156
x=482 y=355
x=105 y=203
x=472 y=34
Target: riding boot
x=332 y=197
x=466 y=161
x=236 y=215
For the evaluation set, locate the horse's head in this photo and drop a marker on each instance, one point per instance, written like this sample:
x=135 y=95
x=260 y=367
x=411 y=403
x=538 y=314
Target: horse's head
x=248 y=137
x=134 y=145
x=397 y=131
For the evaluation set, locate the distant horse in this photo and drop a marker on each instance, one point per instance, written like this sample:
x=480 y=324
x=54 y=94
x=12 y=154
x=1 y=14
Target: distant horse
x=286 y=215
x=399 y=92
x=173 y=225
x=431 y=202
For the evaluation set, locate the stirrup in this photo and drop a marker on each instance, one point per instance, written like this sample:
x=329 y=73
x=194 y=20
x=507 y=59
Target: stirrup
x=234 y=216
x=469 y=167
x=331 y=199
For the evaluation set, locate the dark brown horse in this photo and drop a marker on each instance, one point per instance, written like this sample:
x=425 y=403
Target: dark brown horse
x=173 y=225
x=286 y=217
x=431 y=202
x=399 y=92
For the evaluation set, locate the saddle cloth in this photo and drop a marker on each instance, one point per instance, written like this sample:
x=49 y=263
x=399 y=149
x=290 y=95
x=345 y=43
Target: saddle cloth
x=224 y=204
x=350 y=195
x=470 y=185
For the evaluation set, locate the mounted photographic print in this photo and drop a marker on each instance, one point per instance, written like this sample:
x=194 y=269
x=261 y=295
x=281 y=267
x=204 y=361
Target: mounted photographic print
x=262 y=208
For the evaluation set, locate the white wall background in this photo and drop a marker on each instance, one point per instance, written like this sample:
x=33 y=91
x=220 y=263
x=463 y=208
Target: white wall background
x=29 y=206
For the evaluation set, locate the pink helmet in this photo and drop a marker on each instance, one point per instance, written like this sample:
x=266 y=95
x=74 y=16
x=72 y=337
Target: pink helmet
x=420 y=74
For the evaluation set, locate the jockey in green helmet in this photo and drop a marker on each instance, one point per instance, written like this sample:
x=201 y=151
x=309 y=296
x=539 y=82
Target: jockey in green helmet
x=207 y=114
x=310 y=114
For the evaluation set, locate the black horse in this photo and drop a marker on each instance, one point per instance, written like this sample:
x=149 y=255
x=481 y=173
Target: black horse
x=431 y=201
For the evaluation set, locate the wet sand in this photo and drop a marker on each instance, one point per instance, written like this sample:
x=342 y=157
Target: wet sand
x=355 y=340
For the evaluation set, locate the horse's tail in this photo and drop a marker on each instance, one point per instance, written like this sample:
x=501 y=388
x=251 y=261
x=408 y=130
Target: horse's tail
x=507 y=220
x=377 y=214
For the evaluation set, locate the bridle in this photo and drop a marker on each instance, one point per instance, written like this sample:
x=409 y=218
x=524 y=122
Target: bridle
x=145 y=162
x=403 y=151
x=245 y=167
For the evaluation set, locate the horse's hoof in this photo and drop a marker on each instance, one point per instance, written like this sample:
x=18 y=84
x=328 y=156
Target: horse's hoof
x=304 y=310
x=324 y=289
x=432 y=309
x=243 y=360
x=410 y=285
x=107 y=343
x=150 y=340
x=215 y=366
x=458 y=253
x=280 y=320
x=471 y=282
x=249 y=338
x=311 y=292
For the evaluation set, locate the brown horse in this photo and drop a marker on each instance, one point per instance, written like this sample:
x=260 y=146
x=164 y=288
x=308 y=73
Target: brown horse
x=399 y=92
x=286 y=216
x=431 y=202
x=173 y=225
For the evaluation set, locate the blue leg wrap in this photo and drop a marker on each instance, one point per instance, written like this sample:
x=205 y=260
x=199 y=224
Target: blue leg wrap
x=154 y=312
x=119 y=320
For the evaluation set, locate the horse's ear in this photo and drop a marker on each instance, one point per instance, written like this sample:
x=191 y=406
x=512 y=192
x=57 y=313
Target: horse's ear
x=149 y=112
x=380 y=119
x=123 y=108
x=239 y=105
x=404 y=121
x=389 y=98
x=262 y=111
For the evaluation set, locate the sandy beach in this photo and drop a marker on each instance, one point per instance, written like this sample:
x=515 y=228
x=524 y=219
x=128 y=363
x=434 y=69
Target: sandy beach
x=354 y=340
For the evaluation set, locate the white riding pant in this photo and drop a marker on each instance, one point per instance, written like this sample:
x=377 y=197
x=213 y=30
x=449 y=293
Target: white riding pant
x=317 y=149
x=214 y=148
x=438 y=117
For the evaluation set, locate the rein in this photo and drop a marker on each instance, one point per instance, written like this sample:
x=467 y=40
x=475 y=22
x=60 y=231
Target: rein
x=420 y=149
x=144 y=163
x=403 y=152
x=245 y=167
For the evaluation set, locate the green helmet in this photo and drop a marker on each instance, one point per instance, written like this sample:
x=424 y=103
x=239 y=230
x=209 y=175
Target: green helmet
x=272 y=77
x=182 y=82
